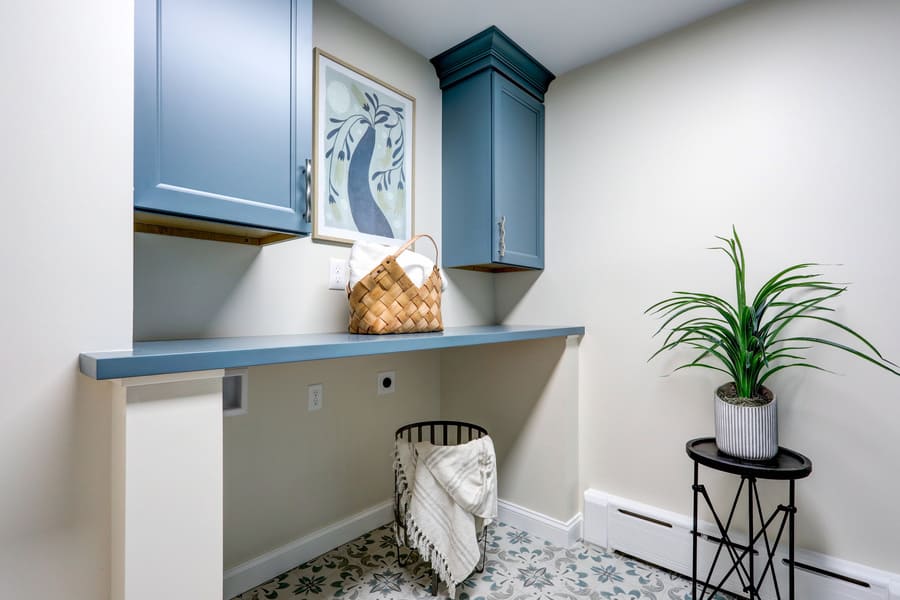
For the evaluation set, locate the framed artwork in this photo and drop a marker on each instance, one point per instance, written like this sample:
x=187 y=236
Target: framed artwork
x=363 y=147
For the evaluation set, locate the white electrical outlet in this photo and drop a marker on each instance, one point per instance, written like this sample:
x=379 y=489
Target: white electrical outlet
x=338 y=274
x=386 y=383
x=316 y=396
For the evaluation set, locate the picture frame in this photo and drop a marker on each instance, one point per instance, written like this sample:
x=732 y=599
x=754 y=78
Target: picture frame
x=363 y=156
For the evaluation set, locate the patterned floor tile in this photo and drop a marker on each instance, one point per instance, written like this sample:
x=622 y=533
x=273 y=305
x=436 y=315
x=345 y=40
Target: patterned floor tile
x=518 y=566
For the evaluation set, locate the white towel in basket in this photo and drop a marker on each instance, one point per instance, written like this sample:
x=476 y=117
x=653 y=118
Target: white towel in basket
x=448 y=494
x=365 y=256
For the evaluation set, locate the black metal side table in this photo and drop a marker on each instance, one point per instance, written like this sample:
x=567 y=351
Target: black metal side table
x=787 y=465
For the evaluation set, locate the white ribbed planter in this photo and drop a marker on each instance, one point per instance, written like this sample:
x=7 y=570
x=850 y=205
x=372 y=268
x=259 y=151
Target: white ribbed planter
x=748 y=432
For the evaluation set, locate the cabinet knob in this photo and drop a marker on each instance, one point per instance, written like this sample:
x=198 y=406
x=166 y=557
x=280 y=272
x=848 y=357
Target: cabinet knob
x=307 y=212
x=501 y=249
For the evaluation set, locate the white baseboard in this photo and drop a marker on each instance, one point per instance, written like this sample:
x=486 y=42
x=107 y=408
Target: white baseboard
x=664 y=538
x=559 y=533
x=275 y=562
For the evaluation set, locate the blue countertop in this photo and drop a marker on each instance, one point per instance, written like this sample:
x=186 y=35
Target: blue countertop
x=179 y=356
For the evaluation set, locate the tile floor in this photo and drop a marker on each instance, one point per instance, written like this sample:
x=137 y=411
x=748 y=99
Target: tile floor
x=519 y=566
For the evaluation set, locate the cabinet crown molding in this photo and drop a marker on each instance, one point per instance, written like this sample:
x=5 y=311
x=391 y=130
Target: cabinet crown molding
x=493 y=49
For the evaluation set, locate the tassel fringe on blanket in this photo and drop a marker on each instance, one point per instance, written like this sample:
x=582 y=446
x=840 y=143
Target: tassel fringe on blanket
x=446 y=496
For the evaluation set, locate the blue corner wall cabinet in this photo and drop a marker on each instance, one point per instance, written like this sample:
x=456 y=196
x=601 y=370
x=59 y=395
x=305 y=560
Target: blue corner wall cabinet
x=493 y=154
x=223 y=118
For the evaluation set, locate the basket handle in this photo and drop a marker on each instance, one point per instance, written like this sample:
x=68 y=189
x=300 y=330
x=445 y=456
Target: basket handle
x=413 y=241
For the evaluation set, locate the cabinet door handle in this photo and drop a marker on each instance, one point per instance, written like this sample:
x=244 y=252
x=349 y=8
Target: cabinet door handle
x=502 y=244
x=307 y=212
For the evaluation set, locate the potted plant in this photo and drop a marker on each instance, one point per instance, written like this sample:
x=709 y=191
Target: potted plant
x=749 y=341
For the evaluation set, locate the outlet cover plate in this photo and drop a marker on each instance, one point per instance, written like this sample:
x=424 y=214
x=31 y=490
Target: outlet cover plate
x=338 y=273
x=316 y=396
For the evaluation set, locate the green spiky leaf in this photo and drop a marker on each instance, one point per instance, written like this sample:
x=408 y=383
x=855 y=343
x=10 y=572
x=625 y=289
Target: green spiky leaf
x=748 y=341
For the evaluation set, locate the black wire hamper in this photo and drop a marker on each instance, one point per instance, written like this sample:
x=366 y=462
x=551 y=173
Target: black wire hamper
x=440 y=433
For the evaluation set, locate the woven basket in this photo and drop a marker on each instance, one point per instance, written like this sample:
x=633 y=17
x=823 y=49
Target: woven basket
x=386 y=301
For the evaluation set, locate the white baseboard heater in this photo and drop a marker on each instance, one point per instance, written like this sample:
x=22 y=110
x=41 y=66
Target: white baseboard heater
x=663 y=538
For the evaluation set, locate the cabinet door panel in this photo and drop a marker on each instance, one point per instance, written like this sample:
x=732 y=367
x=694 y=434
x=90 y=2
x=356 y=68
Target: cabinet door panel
x=518 y=157
x=217 y=112
x=467 y=175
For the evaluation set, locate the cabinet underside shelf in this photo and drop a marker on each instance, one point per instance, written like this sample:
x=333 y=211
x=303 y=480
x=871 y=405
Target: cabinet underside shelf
x=163 y=224
x=493 y=268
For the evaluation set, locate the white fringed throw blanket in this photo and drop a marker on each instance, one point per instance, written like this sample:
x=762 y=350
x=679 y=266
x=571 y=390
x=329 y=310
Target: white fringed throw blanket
x=448 y=494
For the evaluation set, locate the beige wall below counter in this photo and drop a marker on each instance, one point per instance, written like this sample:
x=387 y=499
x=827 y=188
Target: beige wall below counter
x=526 y=395
x=290 y=472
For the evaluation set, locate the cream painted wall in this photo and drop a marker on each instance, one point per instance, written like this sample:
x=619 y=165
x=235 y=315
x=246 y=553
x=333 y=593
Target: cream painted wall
x=289 y=472
x=526 y=395
x=781 y=118
x=65 y=184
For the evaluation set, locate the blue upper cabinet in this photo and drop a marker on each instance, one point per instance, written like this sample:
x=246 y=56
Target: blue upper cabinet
x=493 y=154
x=223 y=116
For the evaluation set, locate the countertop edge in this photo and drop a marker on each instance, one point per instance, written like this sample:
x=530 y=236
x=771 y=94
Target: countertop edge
x=155 y=358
